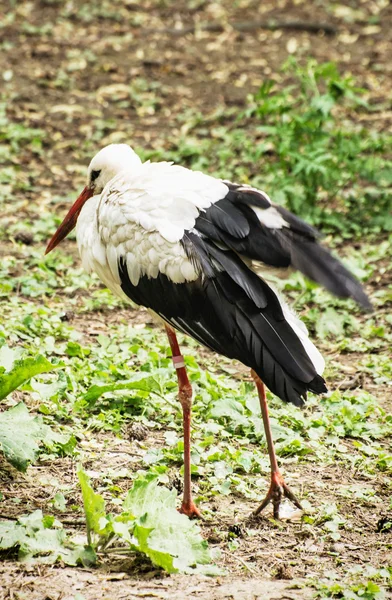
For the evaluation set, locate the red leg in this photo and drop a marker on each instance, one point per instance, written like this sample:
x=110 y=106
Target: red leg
x=278 y=487
x=185 y=396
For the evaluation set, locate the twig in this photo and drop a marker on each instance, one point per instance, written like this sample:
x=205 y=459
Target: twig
x=240 y=560
x=120 y=550
x=128 y=452
x=147 y=594
x=106 y=543
x=246 y=26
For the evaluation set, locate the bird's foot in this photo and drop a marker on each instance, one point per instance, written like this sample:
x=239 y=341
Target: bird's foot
x=278 y=489
x=190 y=510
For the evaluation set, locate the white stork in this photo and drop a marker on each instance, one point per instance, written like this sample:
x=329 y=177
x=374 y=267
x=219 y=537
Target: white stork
x=181 y=243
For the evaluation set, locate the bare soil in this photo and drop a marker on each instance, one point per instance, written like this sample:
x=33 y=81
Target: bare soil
x=68 y=69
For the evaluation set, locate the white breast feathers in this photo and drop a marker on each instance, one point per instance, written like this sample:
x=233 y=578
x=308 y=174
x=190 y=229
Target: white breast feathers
x=142 y=220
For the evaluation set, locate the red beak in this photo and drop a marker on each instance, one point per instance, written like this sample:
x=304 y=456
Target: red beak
x=70 y=220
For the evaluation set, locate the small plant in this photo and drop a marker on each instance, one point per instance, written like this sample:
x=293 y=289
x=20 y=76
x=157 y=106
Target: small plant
x=42 y=538
x=21 y=449
x=149 y=523
x=299 y=142
x=358 y=584
x=322 y=165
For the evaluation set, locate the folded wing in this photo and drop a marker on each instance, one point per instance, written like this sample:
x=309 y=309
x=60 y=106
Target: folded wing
x=229 y=309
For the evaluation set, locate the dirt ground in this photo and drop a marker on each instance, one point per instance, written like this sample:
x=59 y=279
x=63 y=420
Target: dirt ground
x=69 y=63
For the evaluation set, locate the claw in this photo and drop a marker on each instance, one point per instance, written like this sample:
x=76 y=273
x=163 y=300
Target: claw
x=190 y=510
x=278 y=489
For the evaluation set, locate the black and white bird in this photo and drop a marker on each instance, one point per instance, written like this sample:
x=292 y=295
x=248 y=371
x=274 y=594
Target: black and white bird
x=185 y=245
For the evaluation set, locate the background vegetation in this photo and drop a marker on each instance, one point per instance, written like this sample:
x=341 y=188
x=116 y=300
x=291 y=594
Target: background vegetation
x=229 y=88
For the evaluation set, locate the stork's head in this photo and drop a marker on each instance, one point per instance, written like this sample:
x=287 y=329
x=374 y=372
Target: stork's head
x=109 y=162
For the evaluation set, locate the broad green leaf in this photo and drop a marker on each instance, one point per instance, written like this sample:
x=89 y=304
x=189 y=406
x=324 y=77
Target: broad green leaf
x=146 y=496
x=22 y=370
x=11 y=534
x=59 y=502
x=161 y=559
x=50 y=546
x=140 y=382
x=231 y=409
x=122 y=525
x=331 y=323
x=94 y=506
x=22 y=448
x=8 y=356
x=150 y=524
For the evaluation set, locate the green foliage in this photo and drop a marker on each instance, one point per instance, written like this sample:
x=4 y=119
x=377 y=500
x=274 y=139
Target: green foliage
x=94 y=506
x=139 y=382
x=21 y=449
x=328 y=519
x=330 y=172
x=149 y=524
x=39 y=537
x=320 y=159
x=14 y=372
x=302 y=145
x=17 y=135
x=358 y=584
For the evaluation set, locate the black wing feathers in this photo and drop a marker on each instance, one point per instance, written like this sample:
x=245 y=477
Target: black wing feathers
x=317 y=263
x=234 y=313
x=233 y=222
x=226 y=216
x=260 y=305
x=244 y=194
x=298 y=225
x=258 y=244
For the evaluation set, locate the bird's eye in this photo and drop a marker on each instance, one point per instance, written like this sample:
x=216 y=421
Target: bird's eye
x=95 y=175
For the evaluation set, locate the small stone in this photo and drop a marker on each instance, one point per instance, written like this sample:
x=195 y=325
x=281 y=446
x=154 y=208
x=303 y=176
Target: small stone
x=25 y=237
x=384 y=525
x=136 y=431
x=67 y=316
x=283 y=571
x=292 y=46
